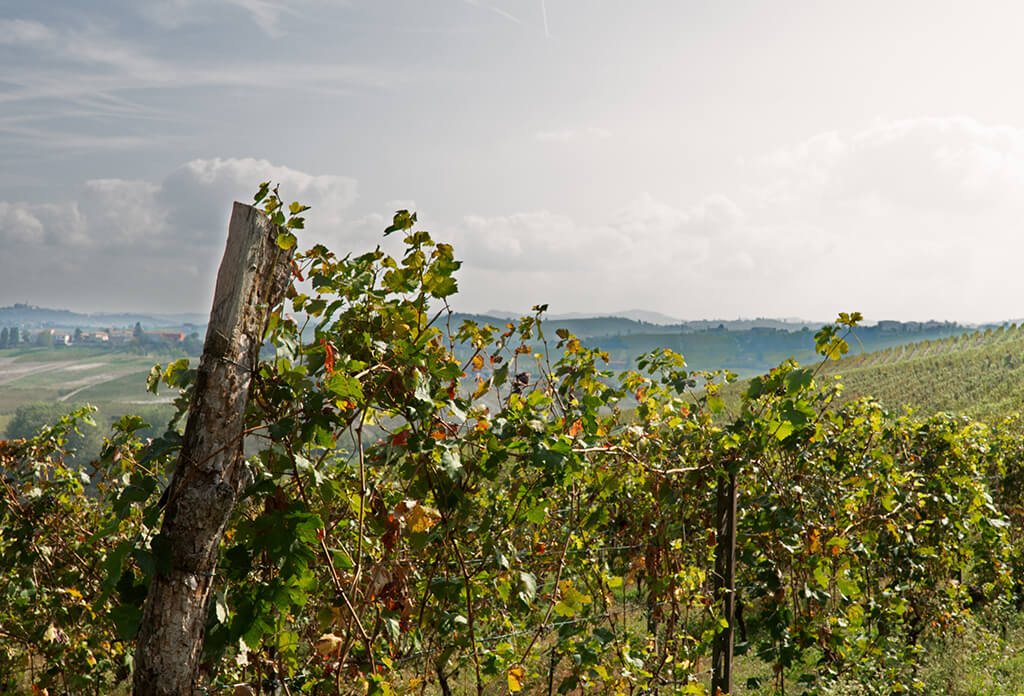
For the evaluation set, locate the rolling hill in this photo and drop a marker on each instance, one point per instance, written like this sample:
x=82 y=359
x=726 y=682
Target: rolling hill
x=979 y=374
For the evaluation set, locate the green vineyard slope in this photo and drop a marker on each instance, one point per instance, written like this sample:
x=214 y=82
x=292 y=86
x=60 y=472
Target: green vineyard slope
x=979 y=374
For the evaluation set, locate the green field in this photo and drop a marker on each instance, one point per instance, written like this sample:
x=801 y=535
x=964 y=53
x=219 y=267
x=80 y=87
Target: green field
x=41 y=384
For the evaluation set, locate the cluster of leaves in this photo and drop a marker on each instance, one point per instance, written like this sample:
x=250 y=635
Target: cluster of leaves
x=466 y=509
x=863 y=535
x=66 y=530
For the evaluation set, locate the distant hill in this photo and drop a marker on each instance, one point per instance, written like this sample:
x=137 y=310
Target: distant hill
x=33 y=317
x=641 y=315
x=745 y=346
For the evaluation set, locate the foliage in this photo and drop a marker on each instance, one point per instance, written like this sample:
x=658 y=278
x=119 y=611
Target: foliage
x=519 y=518
x=84 y=444
x=61 y=551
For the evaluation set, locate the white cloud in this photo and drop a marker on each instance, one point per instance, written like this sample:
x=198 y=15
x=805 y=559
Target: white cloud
x=953 y=164
x=125 y=215
x=893 y=217
x=200 y=191
x=22 y=31
x=190 y=206
x=899 y=215
x=137 y=240
x=39 y=225
x=644 y=234
x=19 y=225
x=266 y=14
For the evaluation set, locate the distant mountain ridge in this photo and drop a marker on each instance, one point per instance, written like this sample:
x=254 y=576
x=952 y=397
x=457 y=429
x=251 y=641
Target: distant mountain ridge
x=35 y=317
x=659 y=319
x=642 y=315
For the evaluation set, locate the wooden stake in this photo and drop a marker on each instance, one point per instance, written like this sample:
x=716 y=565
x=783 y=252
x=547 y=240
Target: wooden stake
x=253 y=277
x=725 y=583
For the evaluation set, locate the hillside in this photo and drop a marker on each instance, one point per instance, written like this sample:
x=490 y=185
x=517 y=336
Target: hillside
x=747 y=347
x=978 y=374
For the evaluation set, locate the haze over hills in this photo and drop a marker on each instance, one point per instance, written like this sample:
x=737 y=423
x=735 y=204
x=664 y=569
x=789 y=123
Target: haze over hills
x=34 y=317
x=747 y=346
x=648 y=317
x=641 y=315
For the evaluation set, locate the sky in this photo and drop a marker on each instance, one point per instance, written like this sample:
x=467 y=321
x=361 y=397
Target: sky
x=698 y=159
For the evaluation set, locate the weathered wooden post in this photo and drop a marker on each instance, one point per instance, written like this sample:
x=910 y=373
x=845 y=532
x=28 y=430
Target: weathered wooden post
x=725 y=581
x=253 y=277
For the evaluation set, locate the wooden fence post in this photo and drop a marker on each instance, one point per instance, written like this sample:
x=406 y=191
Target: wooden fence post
x=253 y=277
x=725 y=582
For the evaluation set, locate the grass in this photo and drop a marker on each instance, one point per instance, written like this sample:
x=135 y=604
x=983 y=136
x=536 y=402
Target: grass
x=63 y=353
x=115 y=382
x=124 y=389
x=13 y=397
x=985 y=659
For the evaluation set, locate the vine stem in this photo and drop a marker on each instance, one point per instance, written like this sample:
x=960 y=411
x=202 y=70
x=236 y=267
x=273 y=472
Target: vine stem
x=558 y=577
x=362 y=504
x=471 y=614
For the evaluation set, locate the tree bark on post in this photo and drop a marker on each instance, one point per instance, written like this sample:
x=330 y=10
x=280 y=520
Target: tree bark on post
x=252 y=279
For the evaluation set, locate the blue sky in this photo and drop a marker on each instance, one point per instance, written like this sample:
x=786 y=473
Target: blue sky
x=704 y=160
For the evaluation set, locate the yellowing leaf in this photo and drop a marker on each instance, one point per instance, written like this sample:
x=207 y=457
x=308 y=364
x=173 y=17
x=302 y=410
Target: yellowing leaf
x=478 y=362
x=563 y=609
x=328 y=644
x=422 y=518
x=814 y=542
x=482 y=385
x=515 y=679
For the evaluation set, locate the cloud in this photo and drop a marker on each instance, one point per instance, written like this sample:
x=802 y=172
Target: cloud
x=496 y=10
x=644 y=233
x=266 y=14
x=955 y=164
x=132 y=242
x=195 y=193
x=41 y=225
x=190 y=206
x=895 y=216
x=88 y=87
x=124 y=216
x=648 y=253
x=22 y=32
x=887 y=219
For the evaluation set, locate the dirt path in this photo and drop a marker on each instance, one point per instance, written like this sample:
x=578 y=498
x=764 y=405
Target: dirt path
x=93 y=381
x=11 y=370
